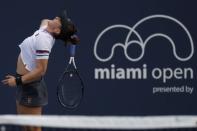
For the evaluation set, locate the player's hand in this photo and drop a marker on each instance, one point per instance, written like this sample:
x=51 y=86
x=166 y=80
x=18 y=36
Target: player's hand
x=10 y=81
x=74 y=39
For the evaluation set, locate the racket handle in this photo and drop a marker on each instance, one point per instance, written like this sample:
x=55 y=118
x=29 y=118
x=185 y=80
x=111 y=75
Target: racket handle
x=72 y=50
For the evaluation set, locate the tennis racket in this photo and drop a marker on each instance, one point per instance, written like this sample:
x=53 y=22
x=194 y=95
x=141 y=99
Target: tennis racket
x=70 y=87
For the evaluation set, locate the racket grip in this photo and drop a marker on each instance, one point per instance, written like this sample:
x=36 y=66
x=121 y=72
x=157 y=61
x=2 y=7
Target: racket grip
x=72 y=50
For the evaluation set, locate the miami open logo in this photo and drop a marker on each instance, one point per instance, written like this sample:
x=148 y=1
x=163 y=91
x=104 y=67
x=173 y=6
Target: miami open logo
x=157 y=73
x=143 y=43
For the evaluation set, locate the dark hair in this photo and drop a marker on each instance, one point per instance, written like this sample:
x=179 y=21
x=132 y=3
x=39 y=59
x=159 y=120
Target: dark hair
x=68 y=30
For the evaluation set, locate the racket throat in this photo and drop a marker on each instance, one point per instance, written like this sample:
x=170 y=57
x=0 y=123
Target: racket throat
x=72 y=61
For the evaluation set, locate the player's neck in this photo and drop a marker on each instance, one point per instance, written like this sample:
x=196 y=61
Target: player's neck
x=49 y=30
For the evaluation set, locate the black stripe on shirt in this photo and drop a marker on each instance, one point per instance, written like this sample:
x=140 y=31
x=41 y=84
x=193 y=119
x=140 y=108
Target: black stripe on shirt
x=42 y=55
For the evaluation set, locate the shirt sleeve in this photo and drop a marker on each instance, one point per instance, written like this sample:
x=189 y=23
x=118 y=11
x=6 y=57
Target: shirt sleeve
x=43 y=47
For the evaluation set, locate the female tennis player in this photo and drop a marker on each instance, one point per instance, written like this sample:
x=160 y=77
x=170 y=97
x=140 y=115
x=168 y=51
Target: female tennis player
x=31 y=94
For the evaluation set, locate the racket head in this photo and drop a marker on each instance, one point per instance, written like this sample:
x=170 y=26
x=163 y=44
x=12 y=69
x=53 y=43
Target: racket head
x=70 y=88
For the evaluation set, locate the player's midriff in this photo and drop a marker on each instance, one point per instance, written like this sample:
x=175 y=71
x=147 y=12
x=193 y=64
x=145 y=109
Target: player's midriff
x=20 y=69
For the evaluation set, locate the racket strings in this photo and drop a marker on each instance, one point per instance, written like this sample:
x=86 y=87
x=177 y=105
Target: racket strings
x=70 y=92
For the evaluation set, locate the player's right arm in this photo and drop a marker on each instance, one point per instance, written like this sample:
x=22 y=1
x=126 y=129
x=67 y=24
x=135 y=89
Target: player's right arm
x=37 y=73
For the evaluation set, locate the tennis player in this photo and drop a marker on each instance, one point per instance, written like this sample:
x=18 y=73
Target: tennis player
x=31 y=94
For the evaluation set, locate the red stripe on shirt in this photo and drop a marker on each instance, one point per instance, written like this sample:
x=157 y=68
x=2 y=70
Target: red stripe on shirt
x=42 y=51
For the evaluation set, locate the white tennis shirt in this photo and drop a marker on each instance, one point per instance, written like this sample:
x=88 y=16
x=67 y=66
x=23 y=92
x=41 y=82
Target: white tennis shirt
x=37 y=46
